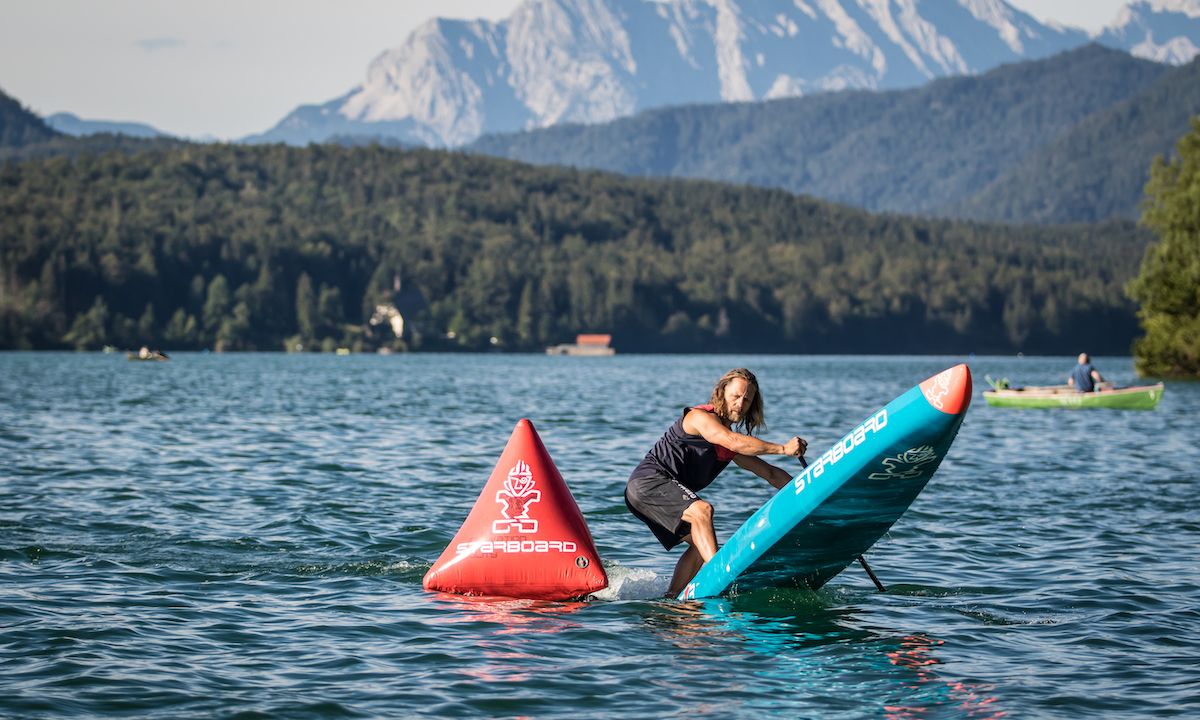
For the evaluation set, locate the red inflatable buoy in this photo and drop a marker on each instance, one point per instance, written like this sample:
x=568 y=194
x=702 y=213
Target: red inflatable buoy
x=525 y=537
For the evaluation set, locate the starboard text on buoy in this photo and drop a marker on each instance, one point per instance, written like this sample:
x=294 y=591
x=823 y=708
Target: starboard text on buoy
x=525 y=537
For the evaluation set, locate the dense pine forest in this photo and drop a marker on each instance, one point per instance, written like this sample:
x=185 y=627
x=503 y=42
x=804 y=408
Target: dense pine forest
x=271 y=247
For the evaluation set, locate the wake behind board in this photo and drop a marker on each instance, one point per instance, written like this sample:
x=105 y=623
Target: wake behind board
x=846 y=499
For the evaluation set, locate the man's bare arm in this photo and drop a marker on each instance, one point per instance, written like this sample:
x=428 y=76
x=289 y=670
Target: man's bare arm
x=778 y=477
x=706 y=424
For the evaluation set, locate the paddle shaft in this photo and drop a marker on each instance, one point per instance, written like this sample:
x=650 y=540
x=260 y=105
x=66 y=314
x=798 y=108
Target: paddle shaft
x=862 y=560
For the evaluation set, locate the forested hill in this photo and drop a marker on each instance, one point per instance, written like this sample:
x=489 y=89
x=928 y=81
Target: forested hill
x=1098 y=168
x=910 y=151
x=266 y=247
x=19 y=127
x=24 y=135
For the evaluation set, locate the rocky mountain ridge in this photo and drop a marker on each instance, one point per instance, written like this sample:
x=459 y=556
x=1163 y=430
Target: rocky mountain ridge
x=590 y=61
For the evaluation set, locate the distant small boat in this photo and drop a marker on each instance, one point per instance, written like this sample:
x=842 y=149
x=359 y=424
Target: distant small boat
x=1143 y=397
x=154 y=355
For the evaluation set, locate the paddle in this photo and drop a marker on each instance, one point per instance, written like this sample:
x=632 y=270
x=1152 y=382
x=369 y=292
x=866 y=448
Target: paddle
x=862 y=560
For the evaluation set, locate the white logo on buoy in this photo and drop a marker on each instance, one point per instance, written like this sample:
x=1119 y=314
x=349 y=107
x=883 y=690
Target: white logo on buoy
x=516 y=497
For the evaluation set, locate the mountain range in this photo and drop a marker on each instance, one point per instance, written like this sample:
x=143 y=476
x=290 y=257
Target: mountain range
x=592 y=61
x=24 y=136
x=70 y=124
x=1096 y=170
x=1065 y=139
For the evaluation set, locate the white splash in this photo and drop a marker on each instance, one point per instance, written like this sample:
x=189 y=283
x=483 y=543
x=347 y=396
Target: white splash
x=626 y=583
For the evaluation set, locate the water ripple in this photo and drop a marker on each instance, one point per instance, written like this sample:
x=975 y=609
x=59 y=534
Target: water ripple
x=245 y=536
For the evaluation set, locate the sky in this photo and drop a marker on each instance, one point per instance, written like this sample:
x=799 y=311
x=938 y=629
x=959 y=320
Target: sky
x=224 y=69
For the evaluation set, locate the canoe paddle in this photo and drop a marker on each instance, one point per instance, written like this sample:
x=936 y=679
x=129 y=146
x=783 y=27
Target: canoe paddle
x=862 y=560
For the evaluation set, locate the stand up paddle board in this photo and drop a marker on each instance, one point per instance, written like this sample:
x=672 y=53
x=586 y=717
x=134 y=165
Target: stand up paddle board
x=845 y=500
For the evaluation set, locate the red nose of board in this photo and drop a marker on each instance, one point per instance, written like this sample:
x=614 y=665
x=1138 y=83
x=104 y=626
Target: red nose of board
x=525 y=537
x=949 y=390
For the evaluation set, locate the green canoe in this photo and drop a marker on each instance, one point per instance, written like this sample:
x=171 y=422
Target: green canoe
x=1144 y=397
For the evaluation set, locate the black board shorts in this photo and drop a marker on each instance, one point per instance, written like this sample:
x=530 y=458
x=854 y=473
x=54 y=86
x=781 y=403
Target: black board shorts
x=659 y=501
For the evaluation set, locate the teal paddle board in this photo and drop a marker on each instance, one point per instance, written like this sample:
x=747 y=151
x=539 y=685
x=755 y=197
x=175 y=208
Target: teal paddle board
x=845 y=500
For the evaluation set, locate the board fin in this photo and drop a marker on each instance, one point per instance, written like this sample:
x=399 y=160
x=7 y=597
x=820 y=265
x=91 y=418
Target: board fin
x=525 y=537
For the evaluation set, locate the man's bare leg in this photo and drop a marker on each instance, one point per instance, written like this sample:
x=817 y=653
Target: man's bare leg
x=685 y=570
x=702 y=545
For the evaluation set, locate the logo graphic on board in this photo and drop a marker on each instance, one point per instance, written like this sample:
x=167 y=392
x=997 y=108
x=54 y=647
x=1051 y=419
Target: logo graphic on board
x=516 y=497
x=939 y=389
x=907 y=465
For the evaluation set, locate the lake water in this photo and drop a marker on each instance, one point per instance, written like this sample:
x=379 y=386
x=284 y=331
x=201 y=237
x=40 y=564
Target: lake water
x=244 y=536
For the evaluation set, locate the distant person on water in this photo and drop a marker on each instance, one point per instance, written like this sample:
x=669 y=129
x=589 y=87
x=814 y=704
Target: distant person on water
x=661 y=492
x=1083 y=375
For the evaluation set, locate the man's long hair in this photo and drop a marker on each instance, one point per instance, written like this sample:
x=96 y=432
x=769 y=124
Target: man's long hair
x=752 y=412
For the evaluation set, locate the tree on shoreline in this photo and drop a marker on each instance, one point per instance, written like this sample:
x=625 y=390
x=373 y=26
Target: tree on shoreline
x=1168 y=286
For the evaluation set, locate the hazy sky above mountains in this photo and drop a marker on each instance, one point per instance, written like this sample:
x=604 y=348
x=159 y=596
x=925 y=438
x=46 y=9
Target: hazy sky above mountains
x=228 y=68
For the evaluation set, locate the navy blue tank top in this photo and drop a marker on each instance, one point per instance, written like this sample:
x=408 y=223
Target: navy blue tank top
x=1083 y=377
x=690 y=459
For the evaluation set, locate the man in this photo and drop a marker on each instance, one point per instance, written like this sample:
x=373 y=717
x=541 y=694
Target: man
x=661 y=492
x=1082 y=376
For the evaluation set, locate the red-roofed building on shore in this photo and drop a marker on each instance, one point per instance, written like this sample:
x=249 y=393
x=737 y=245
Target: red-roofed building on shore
x=588 y=344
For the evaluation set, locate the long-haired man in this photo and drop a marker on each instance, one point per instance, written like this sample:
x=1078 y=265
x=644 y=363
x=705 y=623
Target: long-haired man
x=661 y=492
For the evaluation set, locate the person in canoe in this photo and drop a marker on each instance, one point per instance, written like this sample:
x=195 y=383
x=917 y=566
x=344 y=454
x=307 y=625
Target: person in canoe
x=661 y=491
x=1084 y=377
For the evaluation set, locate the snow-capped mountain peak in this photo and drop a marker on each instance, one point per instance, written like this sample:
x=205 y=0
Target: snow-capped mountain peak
x=1160 y=30
x=590 y=61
